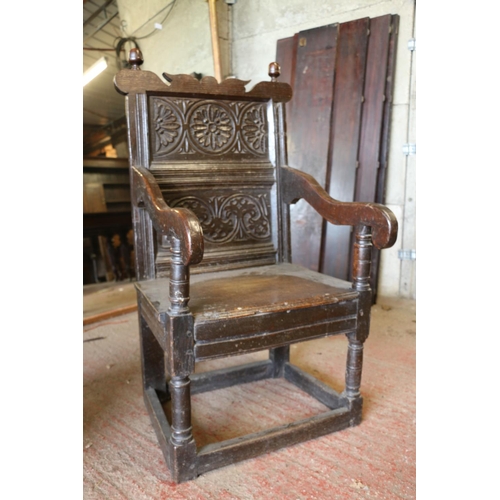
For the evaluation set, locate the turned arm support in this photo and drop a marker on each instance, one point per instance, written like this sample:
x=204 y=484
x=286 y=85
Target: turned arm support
x=384 y=225
x=176 y=223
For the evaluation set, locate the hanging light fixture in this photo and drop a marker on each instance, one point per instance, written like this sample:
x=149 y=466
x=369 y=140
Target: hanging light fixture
x=97 y=68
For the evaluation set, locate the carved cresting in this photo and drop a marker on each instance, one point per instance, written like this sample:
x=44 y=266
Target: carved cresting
x=185 y=126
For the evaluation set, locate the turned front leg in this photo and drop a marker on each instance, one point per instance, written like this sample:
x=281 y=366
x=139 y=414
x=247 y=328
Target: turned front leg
x=183 y=447
x=361 y=282
x=354 y=367
x=181 y=410
x=179 y=281
x=180 y=363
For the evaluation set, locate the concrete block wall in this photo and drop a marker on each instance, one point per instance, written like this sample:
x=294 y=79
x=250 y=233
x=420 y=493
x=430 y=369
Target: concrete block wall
x=184 y=46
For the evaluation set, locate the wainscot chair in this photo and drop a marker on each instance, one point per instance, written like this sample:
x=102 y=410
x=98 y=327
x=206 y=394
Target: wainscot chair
x=211 y=192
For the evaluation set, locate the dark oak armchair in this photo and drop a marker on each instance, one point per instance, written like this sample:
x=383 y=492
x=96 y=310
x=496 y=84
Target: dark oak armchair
x=211 y=191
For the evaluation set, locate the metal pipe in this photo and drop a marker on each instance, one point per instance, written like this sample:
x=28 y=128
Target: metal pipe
x=215 y=39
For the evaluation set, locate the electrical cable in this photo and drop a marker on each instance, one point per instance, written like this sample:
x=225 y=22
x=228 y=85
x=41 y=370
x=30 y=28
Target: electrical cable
x=121 y=41
x=172 y=5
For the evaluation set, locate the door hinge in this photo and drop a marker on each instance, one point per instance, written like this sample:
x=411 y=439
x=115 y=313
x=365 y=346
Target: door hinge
x=412 y=44
x=407 y=254
x=409 y=149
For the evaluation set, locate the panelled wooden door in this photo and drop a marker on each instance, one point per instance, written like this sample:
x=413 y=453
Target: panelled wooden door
x=338 y=127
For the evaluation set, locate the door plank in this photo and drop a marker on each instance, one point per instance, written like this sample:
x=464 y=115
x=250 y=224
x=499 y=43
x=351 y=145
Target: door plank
x=384 y=146
x=308 y=132
x=364 y=180
x=373 y=109
x=286 y=57
x=345 y=134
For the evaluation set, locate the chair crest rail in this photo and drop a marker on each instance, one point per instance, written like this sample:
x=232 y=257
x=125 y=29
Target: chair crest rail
x=130 y=82
x=296 y=185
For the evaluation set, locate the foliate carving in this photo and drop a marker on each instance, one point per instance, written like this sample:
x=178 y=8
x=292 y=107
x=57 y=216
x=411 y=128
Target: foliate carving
x=188 y=126
x=212 y=128
x=253 y=129
x=168 y=131
x=236 y=217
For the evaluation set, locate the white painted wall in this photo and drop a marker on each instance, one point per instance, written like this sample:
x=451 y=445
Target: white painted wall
x=184 y=46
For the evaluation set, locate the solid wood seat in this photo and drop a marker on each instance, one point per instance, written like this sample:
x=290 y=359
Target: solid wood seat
x=283 y=302
x=211 y=191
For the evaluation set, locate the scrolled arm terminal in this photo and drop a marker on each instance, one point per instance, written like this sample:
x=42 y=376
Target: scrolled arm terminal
x=297 y=185
x=179 y=223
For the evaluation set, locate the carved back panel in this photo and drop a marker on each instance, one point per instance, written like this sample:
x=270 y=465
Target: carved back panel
x=183 y=129
x=212 y=156
x=213 y=148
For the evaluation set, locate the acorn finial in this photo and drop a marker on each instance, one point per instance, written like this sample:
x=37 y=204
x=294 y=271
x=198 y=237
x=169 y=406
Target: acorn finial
x=274 y=71
x=135 y=58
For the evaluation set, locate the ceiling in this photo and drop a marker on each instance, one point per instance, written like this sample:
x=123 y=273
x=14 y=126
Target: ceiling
x=103 y=108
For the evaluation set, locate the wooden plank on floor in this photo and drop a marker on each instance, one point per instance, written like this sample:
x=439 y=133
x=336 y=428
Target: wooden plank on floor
x=106 y=301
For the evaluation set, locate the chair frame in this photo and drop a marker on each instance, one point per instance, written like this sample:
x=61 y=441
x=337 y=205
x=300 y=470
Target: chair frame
x=171 y=357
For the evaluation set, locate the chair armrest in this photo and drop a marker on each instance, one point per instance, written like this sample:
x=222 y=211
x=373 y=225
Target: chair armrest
x=179 y=223
x=296 y=185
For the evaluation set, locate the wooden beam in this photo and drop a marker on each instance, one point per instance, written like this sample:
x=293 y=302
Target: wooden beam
x=105 y=135
x=97 y=12
x=214 y=31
